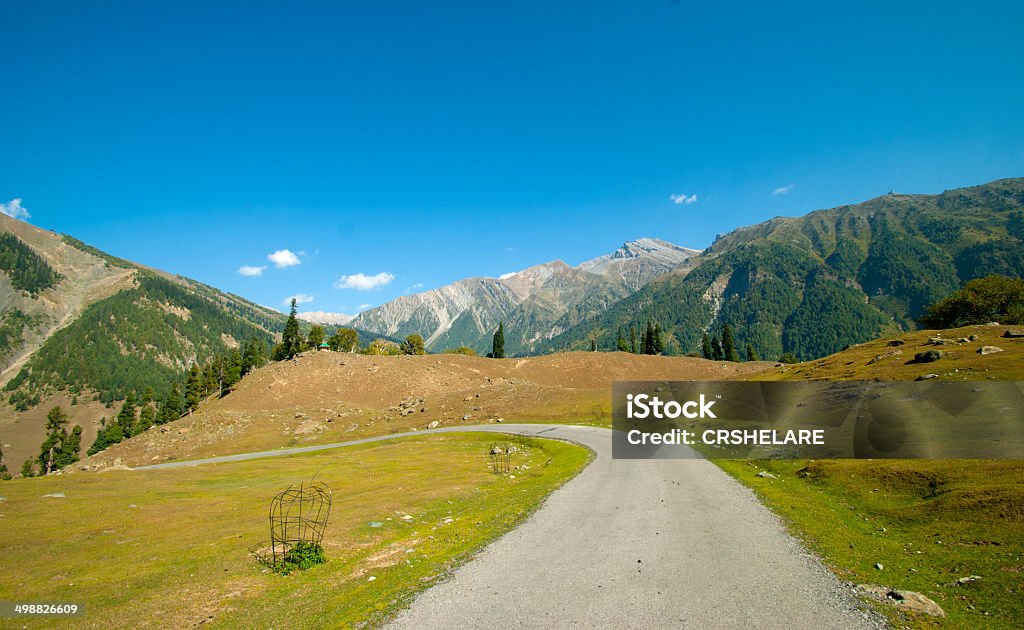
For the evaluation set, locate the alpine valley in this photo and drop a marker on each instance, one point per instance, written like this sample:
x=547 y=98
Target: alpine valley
x=83 y=329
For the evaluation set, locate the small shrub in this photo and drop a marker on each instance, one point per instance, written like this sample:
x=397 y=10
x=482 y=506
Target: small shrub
x=301 y=556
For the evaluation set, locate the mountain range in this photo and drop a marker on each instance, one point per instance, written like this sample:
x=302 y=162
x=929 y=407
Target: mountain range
x=535 y=304
x=82 y=328
x=815 y=284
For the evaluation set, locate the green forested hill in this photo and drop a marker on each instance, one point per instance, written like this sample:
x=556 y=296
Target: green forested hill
x=144 y=337
x=814 y=284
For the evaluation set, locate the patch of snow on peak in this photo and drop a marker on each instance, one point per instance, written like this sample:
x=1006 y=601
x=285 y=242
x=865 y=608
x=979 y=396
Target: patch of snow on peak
x=324 y=317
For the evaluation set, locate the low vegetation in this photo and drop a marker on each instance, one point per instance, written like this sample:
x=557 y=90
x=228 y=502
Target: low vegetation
x=917 y=525
x=175 y=542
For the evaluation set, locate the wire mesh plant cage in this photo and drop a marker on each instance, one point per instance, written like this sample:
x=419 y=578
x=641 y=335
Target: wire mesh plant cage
x=501 y=457
x=297 y=515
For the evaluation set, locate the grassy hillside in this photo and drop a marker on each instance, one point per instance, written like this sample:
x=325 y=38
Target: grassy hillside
x=815 y=284
x=175 y=542
x=928 y=523
x=326 y=397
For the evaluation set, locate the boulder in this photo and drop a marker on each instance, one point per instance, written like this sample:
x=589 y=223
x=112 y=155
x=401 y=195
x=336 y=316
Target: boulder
x=1013 y=334
x=885 y=355
x=764 y=474
x=908 y=600
x=925 y=377
x=989 y=350
x=433 y=425
x=927 y=356
x=895 y=342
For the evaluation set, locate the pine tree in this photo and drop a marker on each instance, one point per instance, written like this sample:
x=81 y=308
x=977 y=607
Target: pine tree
x=58 y=449
x=751 y=355
x=729 y=351
x=232 y=371
x=633 y=345
x=291 y=338
x=705 y=346
x=716 y=349
x=126 y=417
x=620 y=342
x=255 y=355
x=659 y=339
x=69 y=449
x=170 y=410
x=498 y=343
x=193 y=389
x=147 y=418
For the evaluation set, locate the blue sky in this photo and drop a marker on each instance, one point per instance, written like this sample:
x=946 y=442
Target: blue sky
x=419 y=143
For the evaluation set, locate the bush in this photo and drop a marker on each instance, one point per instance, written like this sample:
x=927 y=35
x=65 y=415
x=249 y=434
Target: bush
x=301 y=556
x=469 y=352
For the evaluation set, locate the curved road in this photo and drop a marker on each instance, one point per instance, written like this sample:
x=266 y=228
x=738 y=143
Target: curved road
x=658 y=543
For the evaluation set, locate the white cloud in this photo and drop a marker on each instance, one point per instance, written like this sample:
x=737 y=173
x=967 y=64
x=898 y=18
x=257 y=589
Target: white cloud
x=363 y=307
x=300 y=298
x=506 y=276
x=782 y=190
x=284 y=258
x=13 y=208
x=363 y=282
x=683 y=199
x=250 y=271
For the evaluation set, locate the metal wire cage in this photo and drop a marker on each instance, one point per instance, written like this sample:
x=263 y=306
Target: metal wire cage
x=501 y=457
x=297 y=515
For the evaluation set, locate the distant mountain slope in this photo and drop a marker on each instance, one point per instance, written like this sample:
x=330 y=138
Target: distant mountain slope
x=814 y=284
x=89 y=327
x=535 y=303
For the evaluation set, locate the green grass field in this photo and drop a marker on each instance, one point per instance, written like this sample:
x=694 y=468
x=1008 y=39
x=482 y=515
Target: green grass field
x=170 y=547
x=927 y=522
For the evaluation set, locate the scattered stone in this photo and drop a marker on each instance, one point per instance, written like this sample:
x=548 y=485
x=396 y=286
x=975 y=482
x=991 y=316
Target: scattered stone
x=896 y=342
x=496 y=450
x=938 y=341
x=371 y=578
x=1013 y=334
x=407 y=518
x=183 y=431
x=376 y=524
x=928 y=356
x=902 y=599
x=879 y=566
x=132 y=506
x=885 y=355
x=433 y=425
x=500 y=420
x=3 y=499
x=964 y=581
x=925 y=377
x=55 y=495
x=972 y=338
x=467 y=417
x=989 y=350
x=765 y=475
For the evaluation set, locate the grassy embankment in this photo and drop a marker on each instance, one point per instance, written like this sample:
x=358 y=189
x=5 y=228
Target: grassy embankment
x=170 y=547
x=927 y=522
